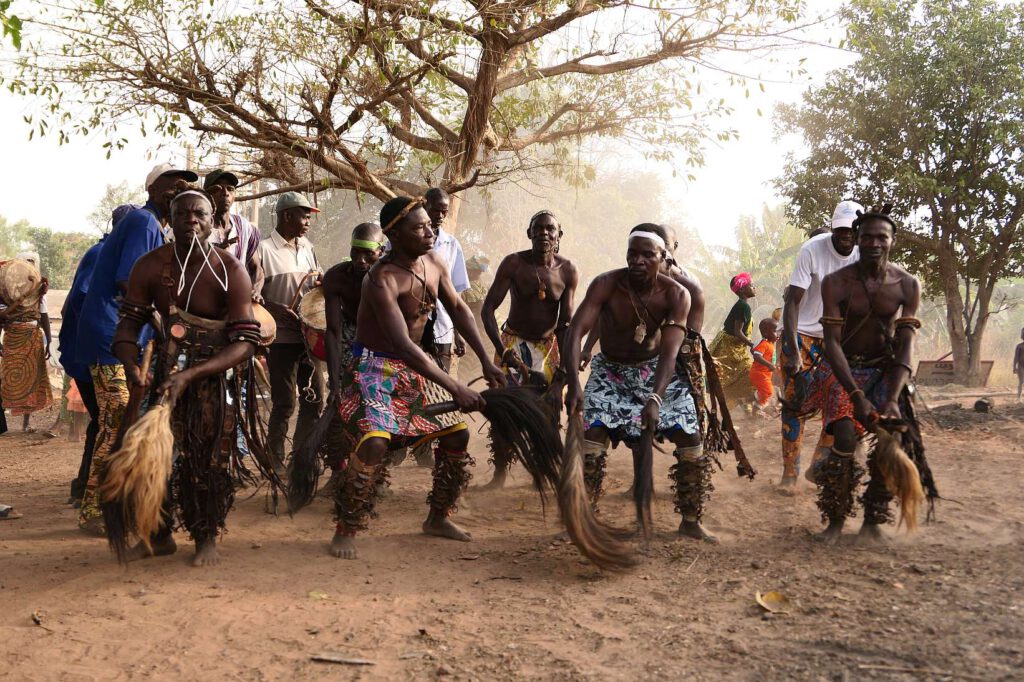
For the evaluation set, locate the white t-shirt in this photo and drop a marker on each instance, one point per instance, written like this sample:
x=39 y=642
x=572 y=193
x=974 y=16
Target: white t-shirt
x=816 y=260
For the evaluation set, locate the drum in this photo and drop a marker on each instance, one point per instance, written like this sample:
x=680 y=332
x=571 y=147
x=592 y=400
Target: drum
x=20 y=281
x=313 y=320
x=268 y=327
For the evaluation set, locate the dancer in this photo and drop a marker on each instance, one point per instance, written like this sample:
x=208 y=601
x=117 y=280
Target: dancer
x=869 y=323
x=633 y=385
x=543 y=287
x=203 y=295
x=25 y=324
x=763 y=368
x=394 y=380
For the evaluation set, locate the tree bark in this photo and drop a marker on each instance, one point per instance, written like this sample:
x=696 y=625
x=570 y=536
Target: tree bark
x=955 y=320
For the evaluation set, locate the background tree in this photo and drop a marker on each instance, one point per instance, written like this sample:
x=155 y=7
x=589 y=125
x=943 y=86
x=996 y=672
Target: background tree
x=389 y=96
x=114 y=196
x=59 y=252
x=930 y=117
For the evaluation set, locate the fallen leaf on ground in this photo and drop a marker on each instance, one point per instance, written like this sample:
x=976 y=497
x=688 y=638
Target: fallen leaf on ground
x=772 y=601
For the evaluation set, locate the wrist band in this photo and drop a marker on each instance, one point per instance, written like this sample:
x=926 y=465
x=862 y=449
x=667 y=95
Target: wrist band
x=855 y=392
x=655 y=397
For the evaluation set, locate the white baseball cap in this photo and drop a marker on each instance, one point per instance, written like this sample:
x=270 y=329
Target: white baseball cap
x=845 y=214
x=162 y=169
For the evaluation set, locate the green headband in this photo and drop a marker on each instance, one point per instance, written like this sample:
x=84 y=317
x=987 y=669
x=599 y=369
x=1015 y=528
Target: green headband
x=366 y=244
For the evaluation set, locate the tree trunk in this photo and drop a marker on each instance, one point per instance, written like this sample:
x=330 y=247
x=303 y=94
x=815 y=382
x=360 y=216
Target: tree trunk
x=955 y=324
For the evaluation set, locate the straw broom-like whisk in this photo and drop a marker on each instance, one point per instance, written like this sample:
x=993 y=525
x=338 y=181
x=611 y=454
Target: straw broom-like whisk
x=901 y=477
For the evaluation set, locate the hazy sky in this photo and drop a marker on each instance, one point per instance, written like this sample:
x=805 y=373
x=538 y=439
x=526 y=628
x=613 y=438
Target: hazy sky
x=58 y=187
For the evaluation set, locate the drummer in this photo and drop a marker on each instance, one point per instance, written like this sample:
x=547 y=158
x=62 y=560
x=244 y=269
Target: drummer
x=342 y=287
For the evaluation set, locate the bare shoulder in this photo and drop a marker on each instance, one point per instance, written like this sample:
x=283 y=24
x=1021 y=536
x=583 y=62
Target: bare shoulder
x=334 y=278
x=567 y=267
x=687 y=279
x=900 y=274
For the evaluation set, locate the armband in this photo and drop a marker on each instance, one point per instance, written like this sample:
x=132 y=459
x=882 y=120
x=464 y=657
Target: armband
x=244 y=330
x=673 y=323
x=135 y=312
x=908 y=323
x=832 y=321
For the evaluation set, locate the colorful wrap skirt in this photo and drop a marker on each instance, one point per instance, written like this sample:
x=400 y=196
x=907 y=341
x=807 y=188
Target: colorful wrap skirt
x=540 y=357
x=734 y=360
x=616 y=393
x=388 y=399
x=24 y=381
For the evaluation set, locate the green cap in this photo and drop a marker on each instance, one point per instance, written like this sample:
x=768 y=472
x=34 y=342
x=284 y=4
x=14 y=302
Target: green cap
x=293 y=200
x=220 y=175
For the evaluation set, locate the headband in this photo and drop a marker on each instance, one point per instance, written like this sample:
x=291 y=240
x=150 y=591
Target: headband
x=366 y=244
x=415 y=203
x=739 y=281
x=194 y=193
x=640 y=234
x=540 y=213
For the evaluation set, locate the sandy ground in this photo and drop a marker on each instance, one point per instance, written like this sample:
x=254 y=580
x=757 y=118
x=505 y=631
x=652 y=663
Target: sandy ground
x=518 y=603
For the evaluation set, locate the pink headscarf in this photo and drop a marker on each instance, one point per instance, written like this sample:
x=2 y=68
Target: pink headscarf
x=739 y=281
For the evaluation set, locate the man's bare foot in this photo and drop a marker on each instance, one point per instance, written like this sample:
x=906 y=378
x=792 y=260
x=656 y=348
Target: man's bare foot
x=442 y=527
x=93 y=527
x=830 y=536
x=693 y=529
x=871 y=535
x=206 y=553
x=344 y=546
x=498 y=482
x=163 y=547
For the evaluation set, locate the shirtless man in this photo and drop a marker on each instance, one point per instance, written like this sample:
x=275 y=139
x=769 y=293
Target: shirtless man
x=394 y=379
x=543 y=287
x=869 y=323
x=343 y=285
x=203 y=295
x=633 y=382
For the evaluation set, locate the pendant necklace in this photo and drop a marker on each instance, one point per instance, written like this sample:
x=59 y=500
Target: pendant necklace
x=640 y=333
x=426 y=305
x=542 y=290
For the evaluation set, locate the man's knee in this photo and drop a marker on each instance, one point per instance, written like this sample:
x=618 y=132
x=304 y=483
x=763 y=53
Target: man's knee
x=372 y=450
x=845 y=435
x=597 y=434
x=459 y=440
x=683 y=439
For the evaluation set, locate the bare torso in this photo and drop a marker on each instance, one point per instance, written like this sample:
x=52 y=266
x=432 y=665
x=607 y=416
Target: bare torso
x=695 y=319
x=417 y=296
x=623 y=312
x=879 y=301
x=343 y=287
x=536 y=295
x=208 y=298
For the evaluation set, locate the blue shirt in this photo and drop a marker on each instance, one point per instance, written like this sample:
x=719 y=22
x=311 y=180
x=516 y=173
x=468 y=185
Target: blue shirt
x=135 y=235
x=67 y=340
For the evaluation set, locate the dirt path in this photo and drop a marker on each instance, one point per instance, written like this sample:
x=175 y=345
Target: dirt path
x=517 y=602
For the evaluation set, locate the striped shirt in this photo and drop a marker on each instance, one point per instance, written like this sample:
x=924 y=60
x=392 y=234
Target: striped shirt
x=284 y=266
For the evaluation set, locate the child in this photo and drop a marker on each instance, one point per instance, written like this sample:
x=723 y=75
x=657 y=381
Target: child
x=763 y=368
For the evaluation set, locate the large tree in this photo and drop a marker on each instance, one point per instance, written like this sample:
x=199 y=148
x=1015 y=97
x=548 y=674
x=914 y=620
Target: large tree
x=388 y=96
x=931 y=117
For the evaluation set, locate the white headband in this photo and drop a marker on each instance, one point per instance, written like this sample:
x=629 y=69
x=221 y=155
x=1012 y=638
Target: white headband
x=195 y=193
x=640 y=234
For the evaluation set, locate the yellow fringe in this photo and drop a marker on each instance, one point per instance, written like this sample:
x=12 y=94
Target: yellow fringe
x=901 y=477
x=137 y=474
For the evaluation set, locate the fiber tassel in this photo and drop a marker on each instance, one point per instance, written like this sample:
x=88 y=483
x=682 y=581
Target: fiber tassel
x=135 y=480
x=602 y=544
x=901 y=477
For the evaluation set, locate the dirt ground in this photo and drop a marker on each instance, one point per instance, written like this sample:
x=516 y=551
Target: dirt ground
x=518 y=603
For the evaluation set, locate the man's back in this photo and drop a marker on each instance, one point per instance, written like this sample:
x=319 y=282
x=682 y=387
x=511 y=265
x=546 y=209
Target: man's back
x=135 y=235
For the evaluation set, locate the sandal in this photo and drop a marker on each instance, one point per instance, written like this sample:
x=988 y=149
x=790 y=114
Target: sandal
x=7 y=513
